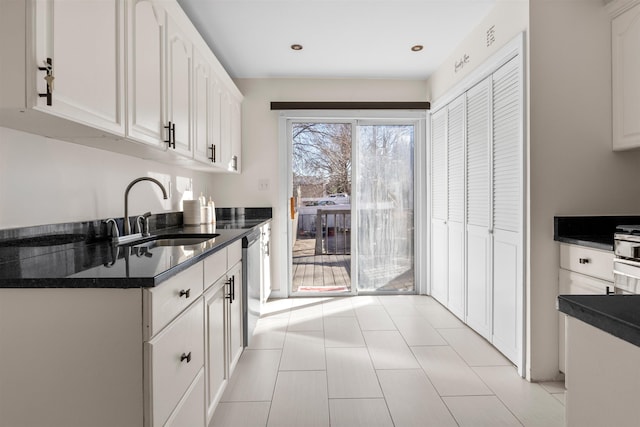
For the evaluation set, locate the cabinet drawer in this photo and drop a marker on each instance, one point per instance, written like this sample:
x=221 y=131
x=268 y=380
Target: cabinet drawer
x=589 y=261
x=215 y=266
x=190 y=410
x=174 y=358
x=235 y=254
x=573 y=283
x=164 y=302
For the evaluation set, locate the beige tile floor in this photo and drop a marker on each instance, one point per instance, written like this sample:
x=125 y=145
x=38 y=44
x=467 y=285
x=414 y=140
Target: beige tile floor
x=378 y=361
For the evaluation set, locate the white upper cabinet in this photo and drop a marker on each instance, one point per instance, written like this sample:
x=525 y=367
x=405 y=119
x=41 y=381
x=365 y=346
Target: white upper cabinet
x=205 y=149
x=74 y=65
x=179 y=67
x=236 y=135
x=79 y=48
x=145 y=73
x=625 y=40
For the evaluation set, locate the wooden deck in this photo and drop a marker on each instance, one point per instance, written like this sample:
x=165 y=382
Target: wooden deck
x=332 y=272
x=319 y=273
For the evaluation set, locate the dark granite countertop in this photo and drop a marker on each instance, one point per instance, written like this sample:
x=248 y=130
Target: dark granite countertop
x=618 y=315
x=591 y=231
x=75 y=261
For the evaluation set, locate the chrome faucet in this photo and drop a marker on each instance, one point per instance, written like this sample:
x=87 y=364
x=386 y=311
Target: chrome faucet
x=127 y=225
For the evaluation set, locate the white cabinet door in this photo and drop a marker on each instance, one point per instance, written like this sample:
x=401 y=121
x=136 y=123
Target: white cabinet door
x=84 y=40
x=456 y=263
x=173 y=359
x=236 y=333
x=145 y=73
x=216 y=338
x=439 y=239
x=572 y=283
x=236 y=136
x=190 y=410
x=439 y=261
x=265 y=265
x=507 y=178
x=455 y=203
x=203 y=146
x=179 y=68
x=225 y=128
x=479 y=283
x=478 y=209
x=626 y=79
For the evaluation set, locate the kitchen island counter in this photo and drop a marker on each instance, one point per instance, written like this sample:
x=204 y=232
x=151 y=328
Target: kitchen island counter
x=618 y=315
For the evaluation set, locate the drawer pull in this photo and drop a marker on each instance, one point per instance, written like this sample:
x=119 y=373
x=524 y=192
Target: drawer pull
x=186 y=357
x=584 y=260
x=184 y=293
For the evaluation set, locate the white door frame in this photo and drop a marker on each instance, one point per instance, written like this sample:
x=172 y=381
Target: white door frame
x=354 y=116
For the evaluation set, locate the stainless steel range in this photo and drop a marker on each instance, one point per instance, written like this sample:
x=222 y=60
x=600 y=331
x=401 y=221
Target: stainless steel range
x=626 y=264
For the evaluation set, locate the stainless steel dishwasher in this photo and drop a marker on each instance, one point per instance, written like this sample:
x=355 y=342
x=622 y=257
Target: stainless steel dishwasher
x=251 y=259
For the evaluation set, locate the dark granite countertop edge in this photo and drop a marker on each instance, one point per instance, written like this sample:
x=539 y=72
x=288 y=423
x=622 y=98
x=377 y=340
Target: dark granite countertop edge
x=599 y=317
x=128 y=282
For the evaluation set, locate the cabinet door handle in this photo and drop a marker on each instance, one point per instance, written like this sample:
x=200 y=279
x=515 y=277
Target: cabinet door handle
x=173 y=136
x=213 y=153
x=229 y=296
x=48 y=68
x=186 y=357
x=584 y=260
x=233 y=288
x=168 y=128
x=186 y=293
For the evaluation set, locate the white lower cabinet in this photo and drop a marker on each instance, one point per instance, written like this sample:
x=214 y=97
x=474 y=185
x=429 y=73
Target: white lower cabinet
x=604 y=382
x=122 y=357
x=190 y=410
x=216 y=342
x=224 y=335
x=583 y=271
x=173 y=359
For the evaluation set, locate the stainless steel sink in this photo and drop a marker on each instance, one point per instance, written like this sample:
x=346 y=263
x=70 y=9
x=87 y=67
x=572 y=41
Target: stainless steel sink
x=173 y=240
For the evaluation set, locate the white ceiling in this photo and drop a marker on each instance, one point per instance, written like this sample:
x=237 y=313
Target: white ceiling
x=341 y=38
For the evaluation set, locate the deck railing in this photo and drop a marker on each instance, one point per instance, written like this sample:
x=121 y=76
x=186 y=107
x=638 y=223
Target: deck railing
x=333 y=231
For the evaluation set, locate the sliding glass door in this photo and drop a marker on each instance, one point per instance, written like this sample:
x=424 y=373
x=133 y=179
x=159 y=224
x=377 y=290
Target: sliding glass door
x=352 y=191
x=385 y=208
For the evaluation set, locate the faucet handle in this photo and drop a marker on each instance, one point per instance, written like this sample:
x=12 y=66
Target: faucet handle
x=142 y=224
x=115 y=233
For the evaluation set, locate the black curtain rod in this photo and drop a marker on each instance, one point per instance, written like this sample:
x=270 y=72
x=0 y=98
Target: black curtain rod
x=350 y=106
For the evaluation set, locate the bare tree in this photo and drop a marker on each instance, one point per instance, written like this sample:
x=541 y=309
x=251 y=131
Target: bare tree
x=322 y=151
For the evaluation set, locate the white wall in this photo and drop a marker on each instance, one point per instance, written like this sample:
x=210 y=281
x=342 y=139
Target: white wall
x=572 y=168
x=260 y=142
x=507 y=19
x=46 y=181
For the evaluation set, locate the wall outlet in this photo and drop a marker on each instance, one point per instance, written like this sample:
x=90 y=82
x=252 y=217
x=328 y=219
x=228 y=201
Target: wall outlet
x=263 y=185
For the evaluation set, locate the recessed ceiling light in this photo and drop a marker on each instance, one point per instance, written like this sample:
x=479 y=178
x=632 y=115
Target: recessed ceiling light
x=296 y=46
x=417 y=48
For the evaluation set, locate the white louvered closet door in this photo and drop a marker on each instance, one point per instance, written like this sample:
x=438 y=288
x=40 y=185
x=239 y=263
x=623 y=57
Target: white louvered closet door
x=507 y=210
x=439 y=206
x=456 y=202
x=478 y=180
